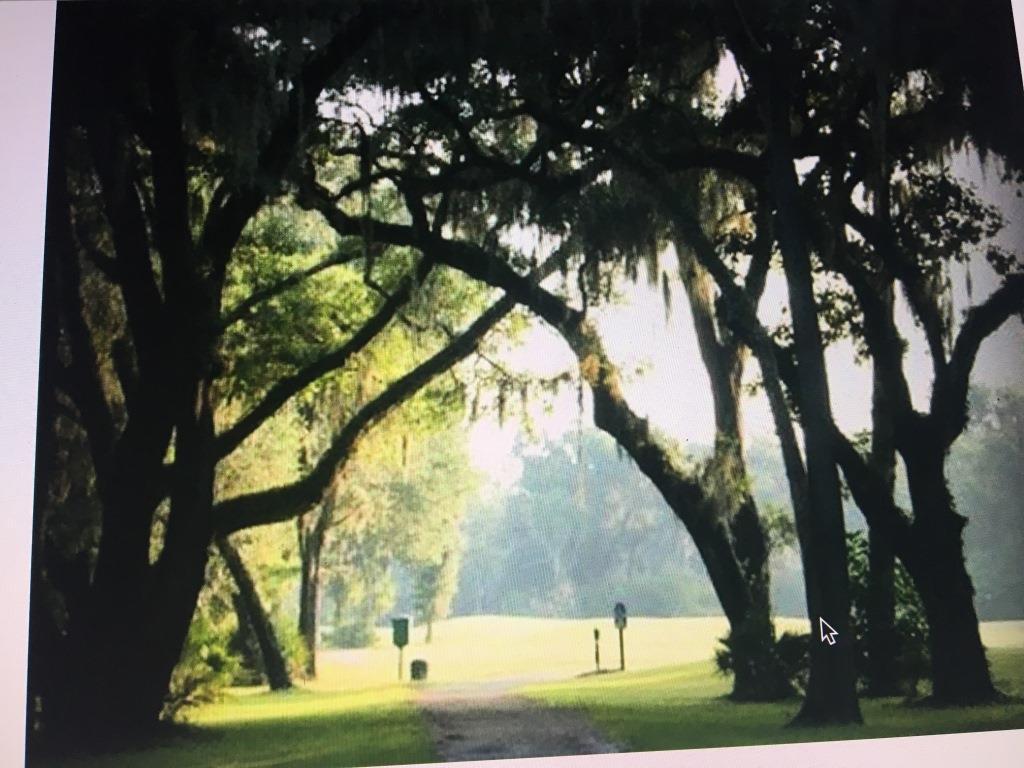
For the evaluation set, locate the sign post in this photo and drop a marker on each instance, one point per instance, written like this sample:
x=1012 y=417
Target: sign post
x=620 y=624
x=400 y=637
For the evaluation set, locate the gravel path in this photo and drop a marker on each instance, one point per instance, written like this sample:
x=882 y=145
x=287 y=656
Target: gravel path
x=486 y=721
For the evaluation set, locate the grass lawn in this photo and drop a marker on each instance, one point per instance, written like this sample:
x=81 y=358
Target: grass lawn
x=478 y=648
x=297 y=729
x=356 y=714
x=682 y=707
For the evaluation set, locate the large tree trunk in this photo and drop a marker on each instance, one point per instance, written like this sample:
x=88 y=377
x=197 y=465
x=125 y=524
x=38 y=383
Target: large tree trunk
x=274 y=665
x=960 y=673
x=742 y=593
x=683 y=492
x=882 y=642
x=758 y=674
x=180 y=571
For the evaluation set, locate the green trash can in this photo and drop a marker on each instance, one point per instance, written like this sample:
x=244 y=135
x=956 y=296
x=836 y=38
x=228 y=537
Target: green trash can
x=418 y=669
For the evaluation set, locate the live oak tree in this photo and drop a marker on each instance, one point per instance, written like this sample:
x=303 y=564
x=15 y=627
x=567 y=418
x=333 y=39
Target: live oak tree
x=921 y=220
x=788 y=62
x=293 y=327
x=153 y=179
x=691 y=496
x=496 y=148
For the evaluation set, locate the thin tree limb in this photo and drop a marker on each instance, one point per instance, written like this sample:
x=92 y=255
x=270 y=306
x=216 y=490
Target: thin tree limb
x=287 y=387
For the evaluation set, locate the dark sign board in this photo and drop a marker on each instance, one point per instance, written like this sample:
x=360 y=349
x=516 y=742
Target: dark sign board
x=620 y=615
x=400 y=631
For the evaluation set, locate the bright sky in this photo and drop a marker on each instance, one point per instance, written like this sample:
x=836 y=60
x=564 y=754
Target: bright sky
x=673 y=392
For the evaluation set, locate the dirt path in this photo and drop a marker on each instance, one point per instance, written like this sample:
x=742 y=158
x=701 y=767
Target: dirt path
x=486 y=721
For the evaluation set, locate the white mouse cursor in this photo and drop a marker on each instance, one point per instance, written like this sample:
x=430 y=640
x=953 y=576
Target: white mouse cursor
x=828 y=634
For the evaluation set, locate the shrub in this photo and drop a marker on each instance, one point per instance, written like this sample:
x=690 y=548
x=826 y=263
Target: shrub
x=354 y=634
x=207 y=666
x=790 y=654
x=910 y=638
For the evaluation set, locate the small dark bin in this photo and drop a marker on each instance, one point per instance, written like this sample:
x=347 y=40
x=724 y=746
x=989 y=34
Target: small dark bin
x=418 y=669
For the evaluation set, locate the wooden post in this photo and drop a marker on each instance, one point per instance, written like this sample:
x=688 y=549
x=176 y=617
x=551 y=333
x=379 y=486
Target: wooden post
x=620 y=624
x=597 y=648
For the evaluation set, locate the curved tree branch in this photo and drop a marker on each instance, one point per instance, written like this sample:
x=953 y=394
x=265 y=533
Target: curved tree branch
x=287 y=387
x=949 y=396
x=286 y=502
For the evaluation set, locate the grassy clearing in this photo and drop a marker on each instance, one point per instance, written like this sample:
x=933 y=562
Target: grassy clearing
x=356 y=714
x=683 y=707
x=479 y=648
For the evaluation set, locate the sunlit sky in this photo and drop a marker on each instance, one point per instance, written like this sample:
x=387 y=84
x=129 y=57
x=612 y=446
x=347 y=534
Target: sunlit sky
x=672 y=390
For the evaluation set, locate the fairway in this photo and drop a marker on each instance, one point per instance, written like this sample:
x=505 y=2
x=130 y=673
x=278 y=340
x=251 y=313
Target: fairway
x=477 y=648
x=670 y=697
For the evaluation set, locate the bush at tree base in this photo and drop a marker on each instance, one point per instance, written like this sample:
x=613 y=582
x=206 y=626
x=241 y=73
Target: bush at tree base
x=910 y=635
x=910 y=627
x=207 y=666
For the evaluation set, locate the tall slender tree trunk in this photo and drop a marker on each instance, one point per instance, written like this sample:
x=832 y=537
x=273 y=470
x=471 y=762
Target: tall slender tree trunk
x=180 y=571
x=758 y=673
x=882 y=641
x=831 y=691
x=309 y=598
x=274 y=665
x=312 y=531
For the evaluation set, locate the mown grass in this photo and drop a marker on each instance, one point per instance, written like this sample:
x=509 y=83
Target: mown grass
x=683 y=707
x=356 y=714
x=480 y=648
x=295 y=729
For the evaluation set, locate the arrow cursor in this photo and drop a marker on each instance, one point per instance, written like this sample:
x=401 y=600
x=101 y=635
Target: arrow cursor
x=828 y=634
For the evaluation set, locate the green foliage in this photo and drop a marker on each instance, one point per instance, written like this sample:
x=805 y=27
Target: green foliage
x=292 y=646
x=910 y=640
x=206 y=667
x=359 y=631
x=910 y=648
x=789 y=653
x=436 y=582
x=398 y=511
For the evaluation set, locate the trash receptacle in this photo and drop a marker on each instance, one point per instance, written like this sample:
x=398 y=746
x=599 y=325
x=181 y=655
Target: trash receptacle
x=418 y=669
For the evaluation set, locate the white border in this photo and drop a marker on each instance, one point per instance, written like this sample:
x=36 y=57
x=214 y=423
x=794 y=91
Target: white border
x=26 y=69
